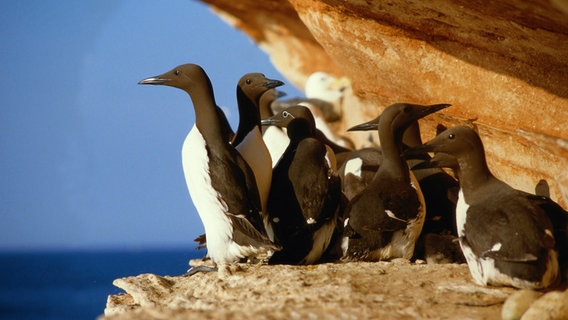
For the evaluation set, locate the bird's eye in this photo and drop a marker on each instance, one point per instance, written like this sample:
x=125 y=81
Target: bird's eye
x=177 y=72
x=451 y=136
x=248 y=81
x=287 y=114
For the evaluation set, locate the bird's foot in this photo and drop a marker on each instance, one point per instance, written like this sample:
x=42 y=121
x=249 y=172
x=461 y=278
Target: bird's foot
x=197 y=269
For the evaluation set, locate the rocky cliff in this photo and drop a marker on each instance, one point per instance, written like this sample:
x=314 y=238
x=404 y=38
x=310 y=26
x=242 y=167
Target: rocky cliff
x=354 y=290
x=503 y=65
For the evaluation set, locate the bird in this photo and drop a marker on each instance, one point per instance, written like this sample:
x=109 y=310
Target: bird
x=385 y=219
x=248 y=139
x=438 y=188
x=220 y=182
x=305 y=194
x=507 y=235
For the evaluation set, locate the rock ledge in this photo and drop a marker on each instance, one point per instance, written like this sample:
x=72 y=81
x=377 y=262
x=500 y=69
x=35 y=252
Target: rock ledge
x=354 y=290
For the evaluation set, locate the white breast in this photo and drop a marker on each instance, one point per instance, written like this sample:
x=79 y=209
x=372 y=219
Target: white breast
x=210 y=208
x=354 y=166
x=276 y=141
x=461 y=214
x=256 y=154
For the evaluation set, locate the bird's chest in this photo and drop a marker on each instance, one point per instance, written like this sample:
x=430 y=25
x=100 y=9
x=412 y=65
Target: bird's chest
x=195 y=161
x=208 y=202
x=461 y=214
x=256 y=154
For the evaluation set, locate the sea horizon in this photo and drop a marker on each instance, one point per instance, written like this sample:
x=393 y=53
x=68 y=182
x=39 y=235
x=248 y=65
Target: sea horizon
x=74 y=283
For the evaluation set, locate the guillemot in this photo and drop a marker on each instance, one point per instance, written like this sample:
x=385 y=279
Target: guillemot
x=506 y=235
x=220 y=182
x=437 y=186
x=385 y=219
x=248 y=139
x=305 y=192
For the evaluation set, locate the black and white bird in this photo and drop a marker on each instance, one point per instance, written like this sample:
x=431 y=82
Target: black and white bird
x=385 y=219
x=438 y=187
x=506 y=235
x=220 y=182
x=248 y=139
x=305 y=194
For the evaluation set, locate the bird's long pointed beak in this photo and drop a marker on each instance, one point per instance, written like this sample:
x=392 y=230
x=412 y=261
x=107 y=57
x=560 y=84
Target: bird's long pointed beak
x=370 y=125
x=273 y=83
x=431 y=109
x=427 y=164
x=270 y=122
x=279 y=94
x=439 y=160
x=340 y=84
x=418 y=151
x=153 y=80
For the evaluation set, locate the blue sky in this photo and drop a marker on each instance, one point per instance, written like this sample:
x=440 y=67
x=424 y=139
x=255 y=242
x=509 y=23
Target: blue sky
x=90 y=159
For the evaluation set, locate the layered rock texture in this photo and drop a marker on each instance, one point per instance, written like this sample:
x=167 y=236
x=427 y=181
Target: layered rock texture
x=503 y=65
x=354 y=290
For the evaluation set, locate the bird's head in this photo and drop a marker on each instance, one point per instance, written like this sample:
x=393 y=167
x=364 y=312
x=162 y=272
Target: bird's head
x=184 y=77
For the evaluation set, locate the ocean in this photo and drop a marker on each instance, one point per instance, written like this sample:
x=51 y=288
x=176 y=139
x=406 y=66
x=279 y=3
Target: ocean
x=75 y=285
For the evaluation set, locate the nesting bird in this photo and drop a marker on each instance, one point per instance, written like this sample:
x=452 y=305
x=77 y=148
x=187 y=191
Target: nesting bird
x=506 y=235
x=220 y=182
x=438 y=188
x=248 y=139
x=305 y=192
x=385 y=219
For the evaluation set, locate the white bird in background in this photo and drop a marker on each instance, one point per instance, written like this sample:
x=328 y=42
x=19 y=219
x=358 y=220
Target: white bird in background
x=324 y=98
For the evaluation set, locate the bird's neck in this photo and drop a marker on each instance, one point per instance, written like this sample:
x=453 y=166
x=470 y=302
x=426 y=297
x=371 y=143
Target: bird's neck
x=473 y=172
x=411 y=136
x=249 y=117
x=393 y=162
x=206 y=117
x=299 y=129
x=264 y=106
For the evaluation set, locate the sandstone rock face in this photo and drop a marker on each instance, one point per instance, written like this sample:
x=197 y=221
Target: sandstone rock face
x=502 y=65
x=353 y=290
